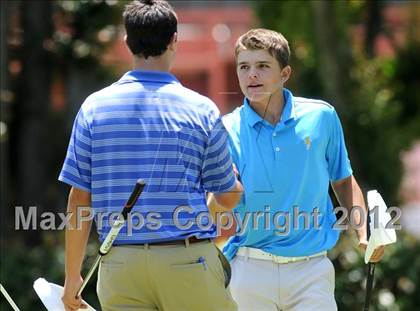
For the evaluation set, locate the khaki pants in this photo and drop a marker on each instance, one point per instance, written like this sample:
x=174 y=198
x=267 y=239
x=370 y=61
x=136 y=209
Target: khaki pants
x=267 y=286
x=163 y=277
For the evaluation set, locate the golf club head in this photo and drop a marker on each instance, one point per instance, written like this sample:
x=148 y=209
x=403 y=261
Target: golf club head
x=50 y=295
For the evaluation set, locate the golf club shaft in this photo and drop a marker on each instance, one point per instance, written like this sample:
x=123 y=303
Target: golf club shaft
x=113 y=233
x=8 y=298
x=371 y=271
x=89 y=275
x=369 y=285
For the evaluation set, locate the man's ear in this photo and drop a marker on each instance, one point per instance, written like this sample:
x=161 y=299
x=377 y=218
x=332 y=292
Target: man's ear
x=126 y=45
x=174 y=40
x=285 y=73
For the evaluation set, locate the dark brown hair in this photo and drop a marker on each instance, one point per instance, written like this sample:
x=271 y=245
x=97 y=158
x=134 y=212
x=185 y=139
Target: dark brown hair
x=150 y=25
x=264 y=39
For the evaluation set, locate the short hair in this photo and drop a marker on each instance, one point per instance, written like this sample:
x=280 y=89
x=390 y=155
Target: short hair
x=264 y=39
x=150 y=26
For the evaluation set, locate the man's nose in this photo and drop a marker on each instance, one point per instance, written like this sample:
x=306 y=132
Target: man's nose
x=253 y=73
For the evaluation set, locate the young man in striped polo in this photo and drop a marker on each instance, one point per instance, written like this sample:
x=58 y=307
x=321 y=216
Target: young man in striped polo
x=147 y=125
x=287 y=150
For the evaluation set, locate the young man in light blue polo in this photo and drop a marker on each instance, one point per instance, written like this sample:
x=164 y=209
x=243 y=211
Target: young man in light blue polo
x=288 y=150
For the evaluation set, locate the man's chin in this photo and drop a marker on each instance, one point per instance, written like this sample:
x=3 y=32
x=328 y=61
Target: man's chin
x=258 y=97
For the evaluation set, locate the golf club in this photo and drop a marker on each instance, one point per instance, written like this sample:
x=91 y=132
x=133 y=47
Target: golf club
x=378 y=234
x=50 y=293
x=113 y=233
x=370 y=274
x=8 y=298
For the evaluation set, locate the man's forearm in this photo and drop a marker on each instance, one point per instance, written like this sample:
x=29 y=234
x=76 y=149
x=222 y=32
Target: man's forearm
x=350 y=195
x=77 y=234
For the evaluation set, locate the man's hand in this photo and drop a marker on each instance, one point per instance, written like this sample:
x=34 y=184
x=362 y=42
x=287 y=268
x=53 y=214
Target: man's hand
x=228 y=200
x=350 y=195
x=378 y=253
x=71 y=286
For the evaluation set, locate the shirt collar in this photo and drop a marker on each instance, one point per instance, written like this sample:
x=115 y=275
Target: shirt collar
x=288 y=112
x=149 y=76
x=250 y=115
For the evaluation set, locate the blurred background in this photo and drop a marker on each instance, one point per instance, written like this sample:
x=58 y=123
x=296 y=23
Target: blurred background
x=361 y=56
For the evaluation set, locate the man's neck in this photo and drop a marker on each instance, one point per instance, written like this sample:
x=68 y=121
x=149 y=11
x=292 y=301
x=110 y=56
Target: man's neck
x=271 y=109
x=151 y=63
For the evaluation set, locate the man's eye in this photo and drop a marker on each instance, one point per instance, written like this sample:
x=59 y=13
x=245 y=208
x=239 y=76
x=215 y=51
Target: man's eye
x=264 y=66
x=243 y=67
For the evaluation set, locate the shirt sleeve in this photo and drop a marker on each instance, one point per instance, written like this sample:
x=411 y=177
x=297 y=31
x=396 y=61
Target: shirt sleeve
x=337 y=157
x=76 y=170
x=217 y=172
x=231 y=143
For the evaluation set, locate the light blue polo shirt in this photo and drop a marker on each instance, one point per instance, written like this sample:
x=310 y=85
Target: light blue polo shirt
x=286 y=170
x=147 y=125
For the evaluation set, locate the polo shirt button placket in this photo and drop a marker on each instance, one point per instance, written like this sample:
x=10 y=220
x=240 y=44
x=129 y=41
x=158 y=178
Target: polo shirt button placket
x=277 y=153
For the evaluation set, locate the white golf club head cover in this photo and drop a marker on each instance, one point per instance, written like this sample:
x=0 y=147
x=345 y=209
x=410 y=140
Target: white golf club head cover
x=379 y=235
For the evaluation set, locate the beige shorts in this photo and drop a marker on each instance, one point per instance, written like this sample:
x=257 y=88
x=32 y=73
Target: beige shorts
x=164 y=278
x=268 y=286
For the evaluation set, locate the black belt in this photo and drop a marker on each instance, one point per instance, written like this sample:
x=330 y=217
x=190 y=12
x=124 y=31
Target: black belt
x=190 y=240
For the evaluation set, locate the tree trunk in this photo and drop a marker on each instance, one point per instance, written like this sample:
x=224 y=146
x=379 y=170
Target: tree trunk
x=6 y=98
x=34 y=104
x=373 y=25
x=328 y=40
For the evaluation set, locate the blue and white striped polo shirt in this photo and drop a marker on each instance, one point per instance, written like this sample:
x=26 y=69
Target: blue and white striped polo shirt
x=147 y=125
